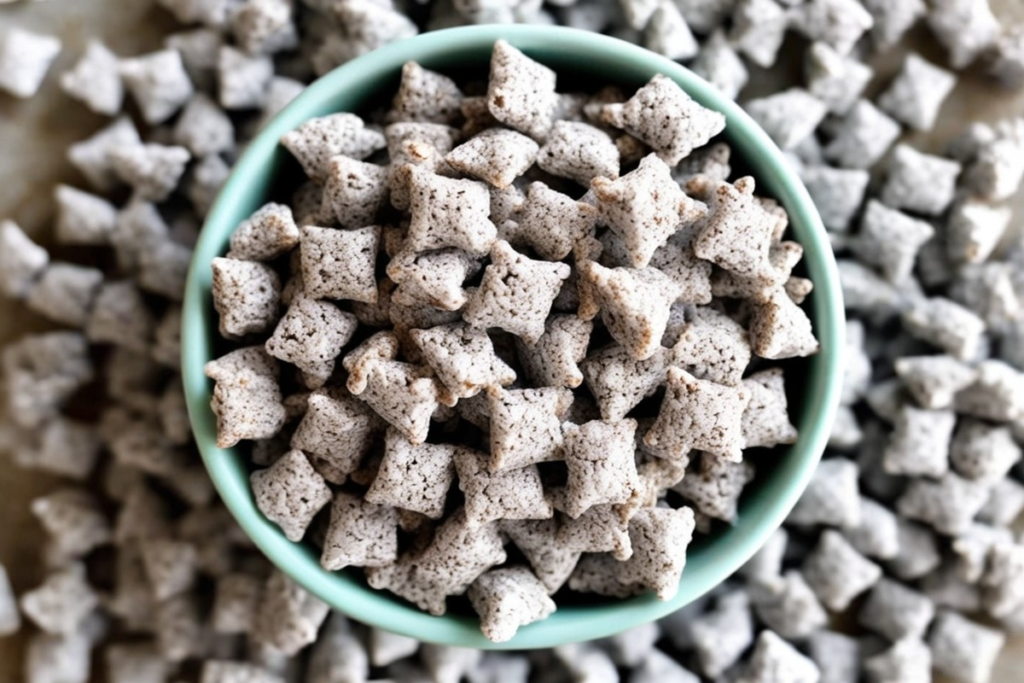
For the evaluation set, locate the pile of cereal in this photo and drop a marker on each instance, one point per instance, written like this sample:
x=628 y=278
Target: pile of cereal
x=527 y=324
x=149 y=580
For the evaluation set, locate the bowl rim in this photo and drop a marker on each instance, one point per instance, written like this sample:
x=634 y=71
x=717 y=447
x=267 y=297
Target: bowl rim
x=572 y=623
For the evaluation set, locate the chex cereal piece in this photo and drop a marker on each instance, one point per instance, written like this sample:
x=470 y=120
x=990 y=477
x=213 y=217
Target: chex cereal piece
x=715 y=486
x=917 y=93
x=579 y=151
x=521 y=92
x=862 y=137
x=264 y=26
x=246 y=397
x=92 y=155
x=846 y=432
x=551 y=223
x=427 y=96
x=668 y=34
x=896 y=611
x=721 y=635
x=601 y=529
x=1004 y=504
x=243 y=79
x=699 y=414
x=837 y=655
x=838 y=193
x=831 y=498
x=337 y=429
x=83 y=218
x=41 y=371
x=360 y=534
x=152 y=170
x=317 y=141
x=892 y=20
x=634 y=304
x=758 y=28
x=553 y=360
x=659 y=538
x=496 y=156
x=246 y=295
x=981 y=451
x=766 y=421
x=973 y=230
x=788 y=606
x=732 y=205
x=512 y=493
x=788 y=117
x=964 y=650
x=509 y=598
x=61 y=603
x=311 y=335
x=340 y=264
x=877 y=535
x=920 y=183
x=448 y=212
x=203 y=128
x=515 y=294
x=413 y=477
x=988 y=289
x=463 y=358
x=966 y=29
x=223 y=671
x=760 y=284
x=890 y=239
x=948 y=505
x=619 y=381
x=158 y=83
x=433 y=278
x=355 y=191
x=907 y=661
x=920 y=442
x=719 y=64
x=290 y=493
x=835 y=79
x=235 y=603
x=971 y=549
x=22 y=261
x=525 y=425
x=947 y=588
x=839 y=23
x=776 y=661
x=945 y=324
x=598 y=573
x=170 y=566
x=689 y=125
x=837 y=573
x=95 y=80
x=691 y=275
x=65 y=293
x=542 y=542
x=644 y=208
x=120 y=316
x=714 y=347
x=864 y=291
x=918 y=551
x=997 y=394
x=387 y=648
x=25 y=57
x=766 y=563
x=599 y=457
x=1003 y=594
x=779 y=329
x=74 y=522
x=457 y=556
x=265 y=235
x=289 y=617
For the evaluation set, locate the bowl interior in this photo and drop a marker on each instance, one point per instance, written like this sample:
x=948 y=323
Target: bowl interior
x=581 y=59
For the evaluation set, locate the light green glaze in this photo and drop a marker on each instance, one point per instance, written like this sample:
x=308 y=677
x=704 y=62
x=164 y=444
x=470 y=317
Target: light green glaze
x=598 y=59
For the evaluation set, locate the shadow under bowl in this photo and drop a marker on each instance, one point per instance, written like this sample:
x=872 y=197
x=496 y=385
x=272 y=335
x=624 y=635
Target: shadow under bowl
x=582 y=59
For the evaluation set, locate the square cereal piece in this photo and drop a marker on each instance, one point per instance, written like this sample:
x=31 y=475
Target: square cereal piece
x=95 y=80
x=698 y=414
x=877 y=535
x=862 y=137
x=158 y=82
x=463 y=358
x=290 y=493
x=74 y=522
x=983 y=452
x=597 y=573
x=662 y=115
x=551 y=223
x=243 y=79
x=525 y=426
x=963 y=649
x=720 y=65
x=62 y=602
x=65 y=293
x=715 y=486
x=758 y=29
x=644 y=208
x=919 y=183
x=947 y=505
x=515 y=294
x=766 y=421
x=907 y=660
x=311 y=334
x=917 y=93
x=788 y=606
x=521 y=92
x=355 y=191
x=893 y=20
x=835 y=79
x=317 y=141
x=22 y=261
x=601 y=529
x=789 y=117
x=513 y=493
x=838 y=23
x=497 y=156
x=553 y=361
x=722 y=634
x=599 y=457
x=427 y=96
x=837 y=573
x=120 y=316
x=336 y=429
x=235 y=603
x=974 y=229
x=360 y=534
x=542 y=542
x=659 y=538
x=92 y=155
x=947 y=325
x=246 y=295
x=246 y=396
x=776 y=661
x=264 y=26
x=714 y=347
x=831 y=498
x=170 y=566
x=619 y=382
x=414 y=477
x=25 y=57
x=509 y=598
x=432 y=278
x=203 y=128
x=580 y=152
x=289 y=617
x=920 y=442
x=340 y=264
x=448 y=212
x=58 y=658
x=737 y=218
x=83 y=218
x=966 y=29
x=838 y=193
x=896 y=611
x=890 y=240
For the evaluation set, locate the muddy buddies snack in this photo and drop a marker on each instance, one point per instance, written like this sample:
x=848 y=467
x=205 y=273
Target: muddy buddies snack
x=547 y=353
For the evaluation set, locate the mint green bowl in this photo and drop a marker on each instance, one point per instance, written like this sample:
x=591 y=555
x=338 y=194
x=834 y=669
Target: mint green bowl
x=595 y=59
